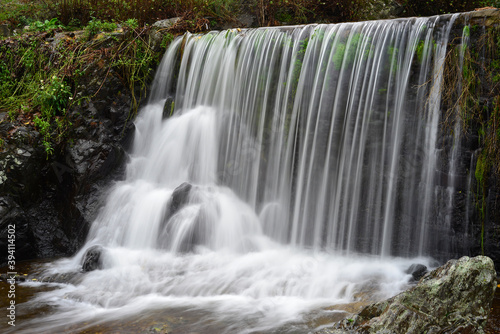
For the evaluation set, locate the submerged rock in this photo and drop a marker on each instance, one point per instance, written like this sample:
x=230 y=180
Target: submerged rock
x=454 y=298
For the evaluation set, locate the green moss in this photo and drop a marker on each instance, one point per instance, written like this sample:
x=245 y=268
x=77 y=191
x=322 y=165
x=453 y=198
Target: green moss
x=466 y=31
x=420 y=51
x=167 y=39
x=346 y=52
x=392 y=53
x=338 y=55
x=481 y=168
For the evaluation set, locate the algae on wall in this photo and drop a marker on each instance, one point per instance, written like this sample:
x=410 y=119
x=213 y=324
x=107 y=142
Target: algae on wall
x=471 y=100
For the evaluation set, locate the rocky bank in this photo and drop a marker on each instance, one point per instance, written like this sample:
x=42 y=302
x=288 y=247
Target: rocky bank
x=454 y=298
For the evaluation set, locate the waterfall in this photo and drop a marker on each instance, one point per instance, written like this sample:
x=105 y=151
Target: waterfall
x=275 y=171
x=324 y=135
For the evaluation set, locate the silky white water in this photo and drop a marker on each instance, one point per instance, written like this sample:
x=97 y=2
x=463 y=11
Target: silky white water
x=296 y=172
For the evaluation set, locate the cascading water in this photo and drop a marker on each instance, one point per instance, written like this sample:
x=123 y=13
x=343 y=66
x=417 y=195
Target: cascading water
x=289 y=152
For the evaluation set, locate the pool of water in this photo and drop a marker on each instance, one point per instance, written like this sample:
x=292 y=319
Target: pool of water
x=176 y=319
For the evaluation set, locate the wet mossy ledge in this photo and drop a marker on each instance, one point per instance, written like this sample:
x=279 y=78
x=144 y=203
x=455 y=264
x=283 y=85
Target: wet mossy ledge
x=68 y=101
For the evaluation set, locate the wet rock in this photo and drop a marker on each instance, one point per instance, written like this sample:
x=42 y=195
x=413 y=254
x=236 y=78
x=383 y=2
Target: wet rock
x=13 y=217
x=184 y=234
x=168 y=107
x=177 y=201
x=92 y=260
x=180 y=197
x=454 y=298
x=159 y=30
x=417 y=271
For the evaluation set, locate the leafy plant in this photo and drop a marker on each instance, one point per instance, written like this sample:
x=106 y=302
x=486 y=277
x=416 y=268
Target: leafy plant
x=43 y=126
x=131 y=24
x=54 y=96
x=46 y=25
x=95 y=26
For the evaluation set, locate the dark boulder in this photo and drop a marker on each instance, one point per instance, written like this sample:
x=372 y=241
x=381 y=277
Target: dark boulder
x=93 y=258
x=180 y=197
x=183 y=234
x=417 y=271
x=12 y=217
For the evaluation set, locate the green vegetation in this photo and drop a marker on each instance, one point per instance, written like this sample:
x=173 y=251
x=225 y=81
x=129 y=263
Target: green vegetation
x=134 y=64
x=96 y=26
x=53 y=98
x=275 y=12
x=420 y=51
x=346 y=51
x=436 y=7
x=43 y=73
x=45 y=26
x=131 y=24
x=102 y=15
x=167 y=39
x=477 y=104
x=41 y=80
x=144 y=11
x=23 y=13
x=197 y=15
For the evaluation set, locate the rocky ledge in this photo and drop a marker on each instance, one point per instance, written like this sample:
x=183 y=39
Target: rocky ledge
x=50 y=202
x=454 y=298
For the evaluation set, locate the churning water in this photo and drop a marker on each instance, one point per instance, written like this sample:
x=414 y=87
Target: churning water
x=274 y=172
